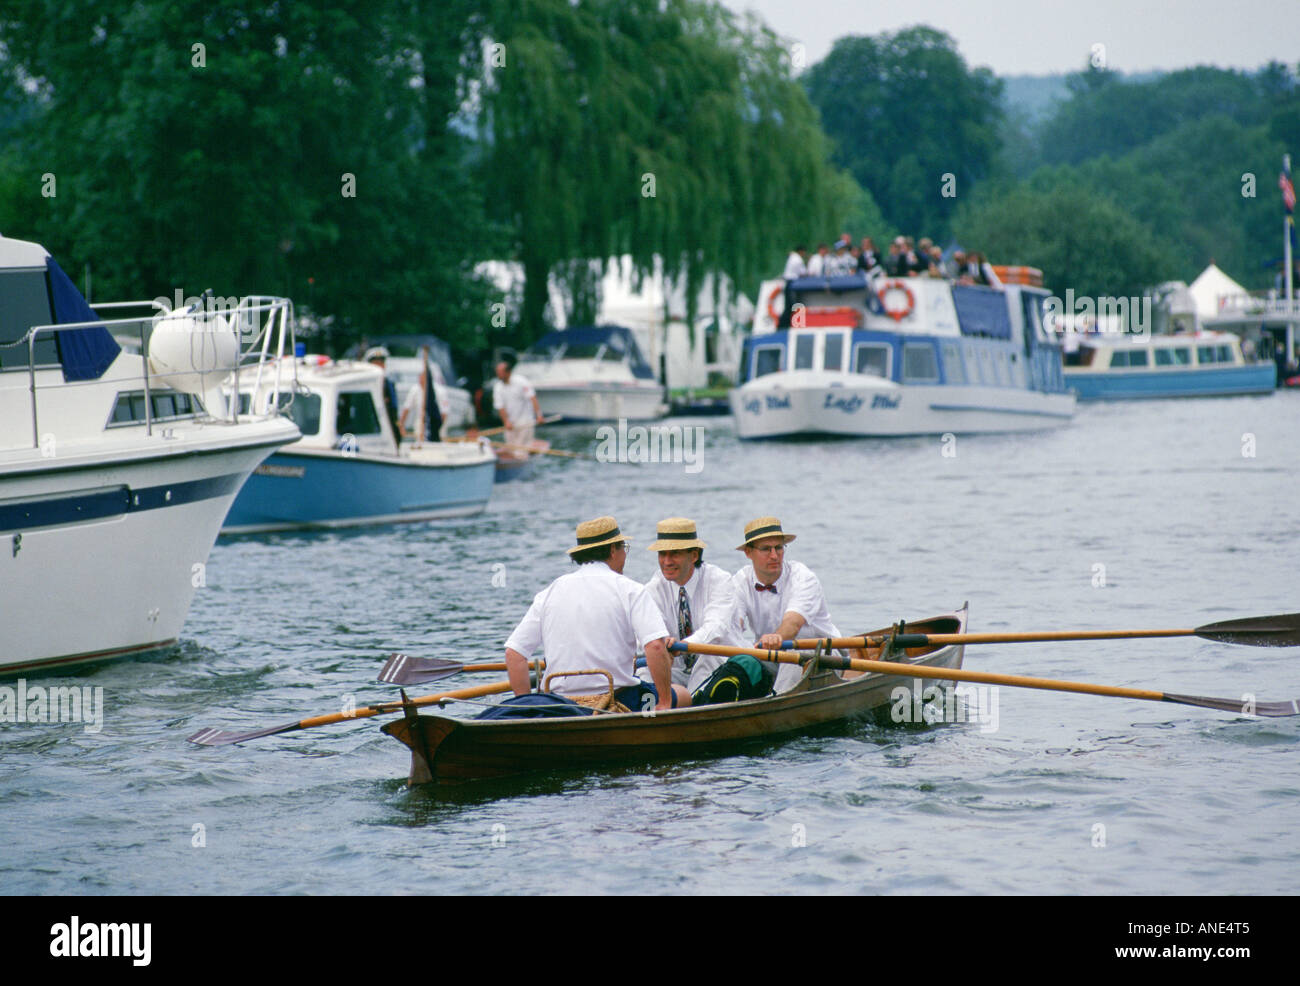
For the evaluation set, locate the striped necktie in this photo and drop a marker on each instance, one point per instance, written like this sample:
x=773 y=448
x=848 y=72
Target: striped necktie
x=684 y=625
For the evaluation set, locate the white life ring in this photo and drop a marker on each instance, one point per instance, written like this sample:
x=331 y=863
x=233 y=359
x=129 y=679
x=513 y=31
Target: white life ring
x=897 y=314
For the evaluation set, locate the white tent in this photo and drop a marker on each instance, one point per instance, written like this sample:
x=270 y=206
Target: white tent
x=1210 y=288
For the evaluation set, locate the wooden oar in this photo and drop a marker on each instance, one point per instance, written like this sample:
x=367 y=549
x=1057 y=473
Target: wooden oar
x=1240 y=706
x=1282 y=630
x=217 y=737
x=402 y=669
x=552 y=419
x=544 y=451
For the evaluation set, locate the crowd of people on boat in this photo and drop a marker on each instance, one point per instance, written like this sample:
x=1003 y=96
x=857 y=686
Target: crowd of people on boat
x=904 y=258
x=591 y=623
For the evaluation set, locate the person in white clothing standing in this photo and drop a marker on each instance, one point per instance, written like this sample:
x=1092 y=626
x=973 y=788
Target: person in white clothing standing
x=777 y=598
x=516 y=403
x=595 y=619
x=695 y=599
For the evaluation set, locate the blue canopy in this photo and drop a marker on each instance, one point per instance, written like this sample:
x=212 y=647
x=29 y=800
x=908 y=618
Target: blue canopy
x=84 y=353
x=981 y=311
x=584 y=343
x=837 y=285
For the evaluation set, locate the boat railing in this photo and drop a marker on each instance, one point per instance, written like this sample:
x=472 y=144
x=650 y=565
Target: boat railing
x=1255 y=304
x=263 y=331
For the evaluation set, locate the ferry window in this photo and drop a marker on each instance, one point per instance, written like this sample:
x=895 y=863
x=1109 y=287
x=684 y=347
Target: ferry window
x=767 y=359
x=357 y=415
x=919 y=362
x=803 y=352
x=305 y=413
x=1164 y=357
x=952 y=364
x=1128 y=357
x=871 y=359
x=1225 y=354
x=24 y=302
x=1205 y=354
x=833 y=358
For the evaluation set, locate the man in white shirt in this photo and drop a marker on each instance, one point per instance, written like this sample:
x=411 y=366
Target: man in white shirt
x=777 y=599
x=796 y=265
x=695 y=599
x=817 y=265
x=596 y=619
x=516 y=403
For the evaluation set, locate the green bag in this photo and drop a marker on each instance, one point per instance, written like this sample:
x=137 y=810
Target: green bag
x=740 y=678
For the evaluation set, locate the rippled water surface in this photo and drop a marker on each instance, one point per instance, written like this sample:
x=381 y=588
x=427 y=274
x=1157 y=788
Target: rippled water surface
x=1135 y=516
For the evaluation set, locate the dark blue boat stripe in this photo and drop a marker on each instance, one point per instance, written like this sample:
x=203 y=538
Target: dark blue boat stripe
x=112 y=501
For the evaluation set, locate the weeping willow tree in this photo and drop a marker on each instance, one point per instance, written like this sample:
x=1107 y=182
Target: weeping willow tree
x=667 y=128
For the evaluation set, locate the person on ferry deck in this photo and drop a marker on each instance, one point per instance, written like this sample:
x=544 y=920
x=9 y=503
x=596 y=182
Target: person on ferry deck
x=377 y=356
x=596 y=618
x=796 y=265
x=817 y=265
x=868 y=259
x=777 y=598
x=694 y=598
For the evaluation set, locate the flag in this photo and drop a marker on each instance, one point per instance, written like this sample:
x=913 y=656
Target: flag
x=1288 y=189
x=432 y=414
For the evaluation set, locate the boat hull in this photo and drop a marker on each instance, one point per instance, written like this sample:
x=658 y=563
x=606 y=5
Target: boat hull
x=1257 y=378
x=455 y=750
x=598 y=402
x=852 y=404
x=324 y=488
x=105 y=560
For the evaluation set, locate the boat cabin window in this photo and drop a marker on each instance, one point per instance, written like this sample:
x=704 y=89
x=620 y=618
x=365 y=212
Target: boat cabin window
x=1174 y=356
x=767 y=359
x=952 y=363
x=871 y=358
x=1214 y=354
x=1128 y=357
x=168 y=405
x=833 y=359
x=803 y=352
x=357 y=414
x=24 y=302
x=919 y=362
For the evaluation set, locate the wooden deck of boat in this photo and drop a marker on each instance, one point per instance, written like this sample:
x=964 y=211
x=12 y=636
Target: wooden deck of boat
x=453 y=750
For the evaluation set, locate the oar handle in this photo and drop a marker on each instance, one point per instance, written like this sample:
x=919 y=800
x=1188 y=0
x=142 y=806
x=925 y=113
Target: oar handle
x=383 y=708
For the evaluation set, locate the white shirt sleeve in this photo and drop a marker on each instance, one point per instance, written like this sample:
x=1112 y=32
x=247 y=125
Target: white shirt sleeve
x=715 y=625
x=647 y=621
x=806 y=597
x=527 y=637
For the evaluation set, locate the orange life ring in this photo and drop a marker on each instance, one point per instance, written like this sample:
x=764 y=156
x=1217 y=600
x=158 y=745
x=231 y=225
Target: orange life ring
x=771 y=300
x=897 y=314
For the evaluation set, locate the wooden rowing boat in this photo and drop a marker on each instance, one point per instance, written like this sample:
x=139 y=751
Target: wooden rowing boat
x=452 y=750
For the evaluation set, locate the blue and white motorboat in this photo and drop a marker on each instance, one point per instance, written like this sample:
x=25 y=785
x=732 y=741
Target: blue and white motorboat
x=117 y=464
x=899 y=356
x=348 y=468
x=1130 y=367
x=592 y=374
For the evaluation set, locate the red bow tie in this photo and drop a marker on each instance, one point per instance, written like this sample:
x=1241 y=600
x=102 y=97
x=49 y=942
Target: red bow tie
x=760 y=587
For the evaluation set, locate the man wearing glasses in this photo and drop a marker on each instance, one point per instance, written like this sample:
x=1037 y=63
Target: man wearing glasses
x=778 y=599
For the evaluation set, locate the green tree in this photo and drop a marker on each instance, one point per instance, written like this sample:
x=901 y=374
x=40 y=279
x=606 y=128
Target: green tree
x=1078 y=238
x=904 y=110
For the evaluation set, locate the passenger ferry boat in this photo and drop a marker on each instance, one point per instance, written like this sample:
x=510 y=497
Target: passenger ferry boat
x=116 y=467
x=348 y=469
x=899 y=356
x=592 y=374
x=1206 y=364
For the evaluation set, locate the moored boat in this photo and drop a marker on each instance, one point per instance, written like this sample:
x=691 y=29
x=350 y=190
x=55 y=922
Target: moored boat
x=1204 y=364
x=592 y=374
x=348 y=468
x=899 y=356
x=117 y=464
x=451 y=750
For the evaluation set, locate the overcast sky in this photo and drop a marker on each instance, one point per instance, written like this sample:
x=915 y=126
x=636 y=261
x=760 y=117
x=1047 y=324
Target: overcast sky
x=1018 y=37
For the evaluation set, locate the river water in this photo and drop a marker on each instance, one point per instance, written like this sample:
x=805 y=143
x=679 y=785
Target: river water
x=1158 y=514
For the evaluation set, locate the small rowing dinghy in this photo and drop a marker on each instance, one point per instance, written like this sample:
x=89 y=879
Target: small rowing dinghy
x=452 y=750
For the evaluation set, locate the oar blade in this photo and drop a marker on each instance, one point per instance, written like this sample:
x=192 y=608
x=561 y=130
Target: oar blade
x=401 y=669
x=1246 y=705
x=1282 y=630
x=220 y=737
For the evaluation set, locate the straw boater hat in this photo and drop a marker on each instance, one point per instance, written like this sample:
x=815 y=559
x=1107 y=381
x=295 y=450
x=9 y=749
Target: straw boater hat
x=764 y=527
x=676 y=534
x=597 y=533
x=376 y=352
